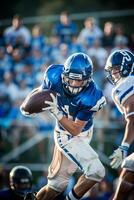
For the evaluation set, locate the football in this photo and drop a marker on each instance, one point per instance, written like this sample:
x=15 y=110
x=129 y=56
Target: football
x=35 y=101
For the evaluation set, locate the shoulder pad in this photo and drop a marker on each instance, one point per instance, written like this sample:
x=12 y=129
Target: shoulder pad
x=52 y=76
x=124 y=89
x=92 y=98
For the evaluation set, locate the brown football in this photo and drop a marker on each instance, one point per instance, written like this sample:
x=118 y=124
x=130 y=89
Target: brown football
x=35 y=101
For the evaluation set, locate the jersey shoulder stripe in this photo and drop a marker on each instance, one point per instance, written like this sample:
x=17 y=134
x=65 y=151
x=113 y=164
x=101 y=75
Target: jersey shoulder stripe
x=123 y=90
x=126 y=94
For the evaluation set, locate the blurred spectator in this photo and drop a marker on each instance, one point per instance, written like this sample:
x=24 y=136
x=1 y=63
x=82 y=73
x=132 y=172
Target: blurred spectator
x=120 y=40
x=23 y=89
x=38 y=38
x=5 y=63
x=108 y=35
x=131 y=42
x=75 y=46
x=38 y=59
x=17 y=34
x=53 y=49
x=65 y=28
x=119 y=30
x=18 y=61
x=99 y=52
x=18 y=125
x=8 y=87
x=27 y=73
x=39 y=76
x=99 y=55
x=89 y=33
x=62 y=55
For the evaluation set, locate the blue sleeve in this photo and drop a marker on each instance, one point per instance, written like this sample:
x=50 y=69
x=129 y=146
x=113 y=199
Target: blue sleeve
x=52 y=77
x=46 y=83
x=85 y=115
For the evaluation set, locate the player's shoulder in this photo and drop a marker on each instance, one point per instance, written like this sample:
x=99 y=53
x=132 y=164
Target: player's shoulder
x=124 y=89
x=53 y=69
x=52 y=76
x=93 y=97
x=94 y=91
x=129 y=80
x=8 y=30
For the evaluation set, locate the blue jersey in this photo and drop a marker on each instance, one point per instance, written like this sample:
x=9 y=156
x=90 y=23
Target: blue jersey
x=80 y=106
x=8 y=194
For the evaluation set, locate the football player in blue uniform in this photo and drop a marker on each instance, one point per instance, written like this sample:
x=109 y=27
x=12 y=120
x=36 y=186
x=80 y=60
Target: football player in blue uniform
x=120 y=66
x=20 y=181
x=77 y=99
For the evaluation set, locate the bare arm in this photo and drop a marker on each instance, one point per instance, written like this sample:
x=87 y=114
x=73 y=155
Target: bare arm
x=129 y=112
x=120 y=153
x=73 y=127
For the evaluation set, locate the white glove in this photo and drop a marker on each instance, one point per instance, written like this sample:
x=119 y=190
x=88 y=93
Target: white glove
x=53 y=107
x=118 y=156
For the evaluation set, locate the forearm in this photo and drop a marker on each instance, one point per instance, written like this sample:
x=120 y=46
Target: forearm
x=129 y=116
x=73 y=127
x=129 y=132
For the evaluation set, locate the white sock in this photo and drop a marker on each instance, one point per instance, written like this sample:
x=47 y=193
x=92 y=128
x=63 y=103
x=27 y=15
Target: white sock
x=72 y=196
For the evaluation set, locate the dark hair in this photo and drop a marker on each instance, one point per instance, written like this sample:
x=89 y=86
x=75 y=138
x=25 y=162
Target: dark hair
x=17 y=16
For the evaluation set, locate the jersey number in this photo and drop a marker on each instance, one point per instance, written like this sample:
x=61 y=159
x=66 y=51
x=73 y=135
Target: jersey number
x=126 y=56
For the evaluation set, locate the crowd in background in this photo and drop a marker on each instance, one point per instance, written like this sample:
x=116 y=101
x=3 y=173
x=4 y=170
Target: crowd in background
x=26 y=53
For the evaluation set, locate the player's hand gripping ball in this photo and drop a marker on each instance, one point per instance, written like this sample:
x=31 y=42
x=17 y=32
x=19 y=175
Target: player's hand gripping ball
x=35 y=101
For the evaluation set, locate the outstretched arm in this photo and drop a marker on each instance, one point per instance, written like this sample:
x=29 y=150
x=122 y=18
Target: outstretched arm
x=129 y=116
x=119 y=154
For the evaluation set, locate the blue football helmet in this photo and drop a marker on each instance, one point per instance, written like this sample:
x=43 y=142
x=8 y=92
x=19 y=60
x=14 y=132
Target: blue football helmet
x=123 y=60
x=78 y=67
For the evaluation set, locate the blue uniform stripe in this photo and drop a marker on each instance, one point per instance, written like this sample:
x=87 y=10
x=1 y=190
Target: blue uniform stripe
x=68 y=153
x=125 y=93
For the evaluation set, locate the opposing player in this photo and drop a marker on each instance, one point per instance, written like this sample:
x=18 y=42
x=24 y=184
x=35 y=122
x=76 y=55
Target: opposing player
x=120 y=66
x=78 y=98
x=20 y=181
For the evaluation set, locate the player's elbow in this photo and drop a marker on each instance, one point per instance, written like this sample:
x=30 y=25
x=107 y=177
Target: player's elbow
x=130 y=121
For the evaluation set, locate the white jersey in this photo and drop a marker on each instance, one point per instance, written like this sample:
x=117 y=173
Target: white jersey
x=123 y=90
x=128 y=162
